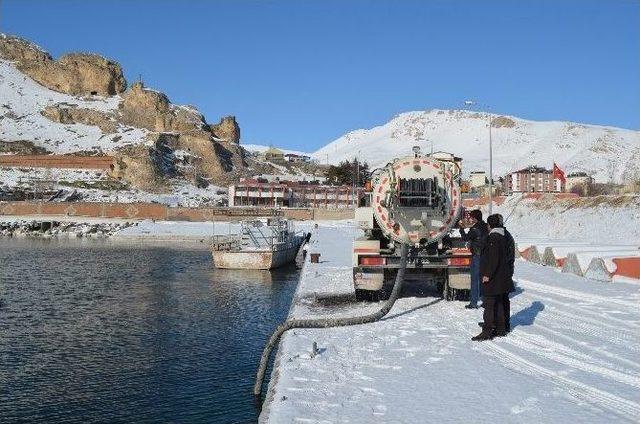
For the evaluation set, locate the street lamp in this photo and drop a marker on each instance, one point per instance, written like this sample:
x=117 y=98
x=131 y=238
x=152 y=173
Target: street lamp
x=473 y=103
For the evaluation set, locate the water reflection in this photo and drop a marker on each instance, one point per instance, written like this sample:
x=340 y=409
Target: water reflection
x=93 y=332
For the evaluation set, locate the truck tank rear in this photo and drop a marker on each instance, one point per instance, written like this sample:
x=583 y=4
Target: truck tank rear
x=414 y=200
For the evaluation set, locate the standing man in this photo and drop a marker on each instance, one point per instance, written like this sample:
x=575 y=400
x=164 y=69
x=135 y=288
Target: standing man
x=476 y=239
x=511 y=259
x=496 y=280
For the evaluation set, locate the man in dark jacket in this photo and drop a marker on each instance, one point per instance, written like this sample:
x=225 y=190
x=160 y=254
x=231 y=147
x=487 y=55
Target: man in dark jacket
x=511 y=259
x=496 y=280
x=476 y=239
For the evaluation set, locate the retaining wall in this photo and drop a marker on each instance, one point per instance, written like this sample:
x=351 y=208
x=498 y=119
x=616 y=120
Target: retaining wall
x=162 y=212
x=56 y=161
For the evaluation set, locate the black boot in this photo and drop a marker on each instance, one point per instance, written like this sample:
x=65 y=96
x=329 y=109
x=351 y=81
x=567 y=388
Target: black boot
x=500 y=333
x=482 y=337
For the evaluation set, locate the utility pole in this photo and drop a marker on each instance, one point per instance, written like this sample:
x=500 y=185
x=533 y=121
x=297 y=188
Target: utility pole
x=490 y=166
x=353 y=190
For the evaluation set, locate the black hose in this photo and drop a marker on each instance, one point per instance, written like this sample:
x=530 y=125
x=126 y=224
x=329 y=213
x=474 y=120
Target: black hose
x=331 y=322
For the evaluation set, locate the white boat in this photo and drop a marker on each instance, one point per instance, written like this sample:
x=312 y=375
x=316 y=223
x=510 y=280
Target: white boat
x=260 y=244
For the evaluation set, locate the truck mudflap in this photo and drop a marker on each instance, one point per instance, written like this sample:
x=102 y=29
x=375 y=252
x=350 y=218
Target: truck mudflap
x=368 y=279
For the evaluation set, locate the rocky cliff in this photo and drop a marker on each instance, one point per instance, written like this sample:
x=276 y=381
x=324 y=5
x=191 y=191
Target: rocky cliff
x=75 y=73
x=81 y=104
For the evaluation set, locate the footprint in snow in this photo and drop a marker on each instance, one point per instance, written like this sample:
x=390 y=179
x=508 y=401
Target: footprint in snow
x=529 y=404
x=379 y=410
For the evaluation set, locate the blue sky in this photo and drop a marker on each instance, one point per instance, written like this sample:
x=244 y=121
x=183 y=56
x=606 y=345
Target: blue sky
x=299 y=74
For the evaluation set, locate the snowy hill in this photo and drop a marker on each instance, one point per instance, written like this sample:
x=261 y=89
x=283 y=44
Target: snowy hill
x=259 y=148
x=23 y=100
x=608 y=153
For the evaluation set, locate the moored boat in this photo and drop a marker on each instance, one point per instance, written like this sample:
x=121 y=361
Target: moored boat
x=260 y=244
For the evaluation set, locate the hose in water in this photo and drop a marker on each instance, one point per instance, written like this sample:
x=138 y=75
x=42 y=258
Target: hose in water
x=331 y=322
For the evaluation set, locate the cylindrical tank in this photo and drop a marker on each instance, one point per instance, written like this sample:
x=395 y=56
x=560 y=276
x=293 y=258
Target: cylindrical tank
x=416 y=199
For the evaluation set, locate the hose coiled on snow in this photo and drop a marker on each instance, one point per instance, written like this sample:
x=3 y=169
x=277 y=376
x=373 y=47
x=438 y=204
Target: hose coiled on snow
x=331 y=322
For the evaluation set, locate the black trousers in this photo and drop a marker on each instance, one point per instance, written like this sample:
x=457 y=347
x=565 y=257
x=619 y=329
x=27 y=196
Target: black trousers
x=494 y=313
x=506 y=306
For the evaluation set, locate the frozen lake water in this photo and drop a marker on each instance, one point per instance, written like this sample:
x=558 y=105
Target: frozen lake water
x=98 y=332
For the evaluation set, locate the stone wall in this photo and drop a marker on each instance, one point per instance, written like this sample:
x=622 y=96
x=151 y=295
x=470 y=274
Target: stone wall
x=56 y=161
x=155 y=211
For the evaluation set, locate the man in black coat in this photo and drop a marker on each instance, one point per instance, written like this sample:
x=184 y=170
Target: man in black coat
x=476 y=239
x=511 y=259
x=496 y=272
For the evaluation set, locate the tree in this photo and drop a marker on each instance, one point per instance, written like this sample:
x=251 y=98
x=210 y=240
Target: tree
x=347 y=172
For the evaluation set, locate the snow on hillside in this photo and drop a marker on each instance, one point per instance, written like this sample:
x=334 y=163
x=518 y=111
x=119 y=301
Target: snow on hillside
x=608 y=153
x=23 y=99
x=96 y=186
x=611 y=221
x=259 y=148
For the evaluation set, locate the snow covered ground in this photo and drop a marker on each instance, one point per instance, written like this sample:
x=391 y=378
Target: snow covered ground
x=604 y=222
x=572 y=355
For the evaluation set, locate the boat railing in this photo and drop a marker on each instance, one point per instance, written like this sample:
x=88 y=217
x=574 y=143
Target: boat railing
x=226 y=242
x=256 y=235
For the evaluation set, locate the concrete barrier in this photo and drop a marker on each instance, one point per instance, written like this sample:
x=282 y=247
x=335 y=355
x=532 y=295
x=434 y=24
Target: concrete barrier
x=578 y=262
x=532 y=254
x=572 y=265
x=556 y=254
x=608 y=268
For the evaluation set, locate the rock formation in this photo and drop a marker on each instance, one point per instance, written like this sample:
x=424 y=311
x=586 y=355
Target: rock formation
x=70 y=114
x=75 y=73
x=135 y=165
x=150 y=109
x=502 y=121
x=179 y=142
x=227 y=130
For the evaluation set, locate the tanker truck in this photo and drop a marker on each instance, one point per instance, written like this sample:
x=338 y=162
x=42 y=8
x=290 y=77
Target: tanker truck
x=414 y=200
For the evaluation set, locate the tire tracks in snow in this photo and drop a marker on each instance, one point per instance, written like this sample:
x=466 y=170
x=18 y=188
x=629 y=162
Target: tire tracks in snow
x=579 y=390
x=551 y=351
x=577 y=295
x=620 y=406
x=620 y=324
x=561 y=319
x=595 y=350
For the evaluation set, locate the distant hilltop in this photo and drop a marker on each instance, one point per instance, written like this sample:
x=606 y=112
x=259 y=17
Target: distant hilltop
x=608 y=154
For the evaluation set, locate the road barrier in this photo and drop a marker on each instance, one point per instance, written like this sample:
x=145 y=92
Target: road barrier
x=607 y=268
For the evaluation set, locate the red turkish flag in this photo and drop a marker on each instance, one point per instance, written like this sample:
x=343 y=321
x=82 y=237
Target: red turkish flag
x=558 y=173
